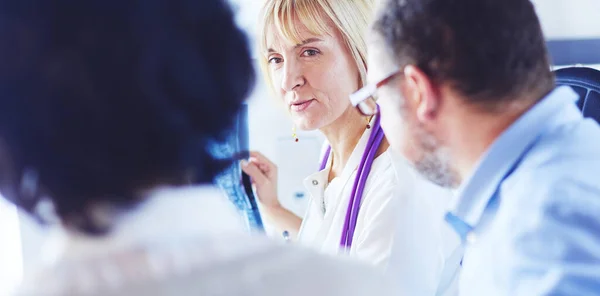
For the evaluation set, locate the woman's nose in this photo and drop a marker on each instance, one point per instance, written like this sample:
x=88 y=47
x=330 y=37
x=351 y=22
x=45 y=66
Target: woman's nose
x=292 y=77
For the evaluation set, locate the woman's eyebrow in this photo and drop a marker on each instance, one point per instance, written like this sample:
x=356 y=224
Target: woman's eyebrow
x=307 y=41
x=303 y=42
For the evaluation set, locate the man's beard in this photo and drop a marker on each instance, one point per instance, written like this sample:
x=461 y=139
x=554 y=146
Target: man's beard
x=434 y=164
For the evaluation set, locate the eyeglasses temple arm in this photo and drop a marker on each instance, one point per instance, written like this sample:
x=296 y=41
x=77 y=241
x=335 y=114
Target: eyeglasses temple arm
x=362 y=94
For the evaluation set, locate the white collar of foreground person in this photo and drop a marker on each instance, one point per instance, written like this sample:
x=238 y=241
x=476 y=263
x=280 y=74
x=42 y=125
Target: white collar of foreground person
x=191 y=241
x=167 y=214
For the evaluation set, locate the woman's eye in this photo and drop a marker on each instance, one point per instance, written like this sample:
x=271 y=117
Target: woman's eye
x=310 y=52
x=274 y=60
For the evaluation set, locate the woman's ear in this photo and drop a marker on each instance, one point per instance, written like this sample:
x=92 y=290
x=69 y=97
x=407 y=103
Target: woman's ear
x=423 y=94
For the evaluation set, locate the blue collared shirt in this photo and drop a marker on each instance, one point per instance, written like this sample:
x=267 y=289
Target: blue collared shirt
x=529 y=215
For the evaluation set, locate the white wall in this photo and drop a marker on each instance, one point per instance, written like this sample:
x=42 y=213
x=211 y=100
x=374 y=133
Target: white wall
x=569 y=19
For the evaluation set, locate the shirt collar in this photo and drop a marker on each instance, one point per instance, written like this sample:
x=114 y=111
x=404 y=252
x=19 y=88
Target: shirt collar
x=357 y=153
x=316 y=183
x=168 y=214
x=475 y=193
x=351 y=164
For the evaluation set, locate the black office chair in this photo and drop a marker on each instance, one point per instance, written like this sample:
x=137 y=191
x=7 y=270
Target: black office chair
x=586 y=82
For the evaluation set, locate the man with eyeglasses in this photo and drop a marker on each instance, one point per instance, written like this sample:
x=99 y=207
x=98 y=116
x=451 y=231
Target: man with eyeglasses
x=466 y=94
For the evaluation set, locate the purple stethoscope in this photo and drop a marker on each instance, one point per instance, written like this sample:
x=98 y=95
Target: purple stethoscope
x=362 y=173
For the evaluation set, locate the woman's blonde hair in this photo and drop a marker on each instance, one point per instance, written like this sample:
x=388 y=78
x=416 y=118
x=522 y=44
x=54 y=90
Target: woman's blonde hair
x=350 y=18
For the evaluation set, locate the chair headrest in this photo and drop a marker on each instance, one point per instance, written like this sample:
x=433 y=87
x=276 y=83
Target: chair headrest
x=586 y=82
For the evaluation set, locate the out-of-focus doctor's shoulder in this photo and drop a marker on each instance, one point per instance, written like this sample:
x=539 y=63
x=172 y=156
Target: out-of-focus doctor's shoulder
x=189 y=254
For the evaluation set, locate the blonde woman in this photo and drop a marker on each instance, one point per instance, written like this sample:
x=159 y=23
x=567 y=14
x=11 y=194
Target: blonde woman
x=313 y=57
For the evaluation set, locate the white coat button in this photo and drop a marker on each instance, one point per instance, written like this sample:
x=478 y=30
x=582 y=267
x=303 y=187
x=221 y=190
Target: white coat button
x=315 y=182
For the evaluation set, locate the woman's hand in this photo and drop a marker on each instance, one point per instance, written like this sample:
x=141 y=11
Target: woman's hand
x=263 y=173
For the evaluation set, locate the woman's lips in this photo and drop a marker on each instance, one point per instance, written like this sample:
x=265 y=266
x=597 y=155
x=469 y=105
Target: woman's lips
x=301 y=106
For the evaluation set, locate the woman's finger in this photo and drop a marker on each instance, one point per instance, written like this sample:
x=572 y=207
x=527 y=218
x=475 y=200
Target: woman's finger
x=254 y=172
x=261 y=158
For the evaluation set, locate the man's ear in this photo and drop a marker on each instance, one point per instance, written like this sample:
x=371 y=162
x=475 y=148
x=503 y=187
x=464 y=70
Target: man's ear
x=422 y=92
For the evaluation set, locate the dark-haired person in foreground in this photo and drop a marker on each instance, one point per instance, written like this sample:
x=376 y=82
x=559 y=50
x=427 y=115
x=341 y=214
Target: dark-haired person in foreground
x=107 y=112
x=467 y=95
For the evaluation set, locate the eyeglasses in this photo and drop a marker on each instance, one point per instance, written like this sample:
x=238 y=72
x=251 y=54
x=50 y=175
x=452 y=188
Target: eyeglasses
x=364 y=98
